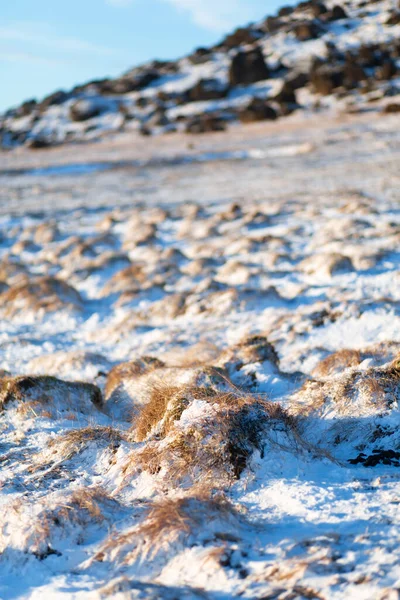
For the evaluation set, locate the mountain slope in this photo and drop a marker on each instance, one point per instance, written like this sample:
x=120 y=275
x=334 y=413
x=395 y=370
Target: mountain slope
x=315 y=56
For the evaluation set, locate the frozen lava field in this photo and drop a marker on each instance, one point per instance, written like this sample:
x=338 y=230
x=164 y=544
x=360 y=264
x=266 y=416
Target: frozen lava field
x=200 y=365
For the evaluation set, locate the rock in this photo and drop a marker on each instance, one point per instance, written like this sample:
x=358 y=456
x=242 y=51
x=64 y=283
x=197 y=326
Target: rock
x=273 y=24
x=200 y=56
x=38 y=142
x=392 y=108
x=318 y=9
x=394 y=18
x=386 y=71
x=243 y=35
x=248 y=67
x=26 y=108
x=286 y=94
x=157 y=119
x=86 y=108
x=207 y=89
x=285 y=11
x=56 y=98
x=307 y=30
x=335 y=14
x=353 y=73
x=205 y=123
x=368 y=55
x=326 y=78
x=257 y=110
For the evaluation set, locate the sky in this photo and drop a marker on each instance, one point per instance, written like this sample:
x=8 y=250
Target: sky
x=47 y=45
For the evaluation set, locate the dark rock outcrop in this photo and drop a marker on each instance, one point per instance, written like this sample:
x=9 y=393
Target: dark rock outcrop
x=207 y=89
x=248 y=67
x=205 y=124
x=257 y=110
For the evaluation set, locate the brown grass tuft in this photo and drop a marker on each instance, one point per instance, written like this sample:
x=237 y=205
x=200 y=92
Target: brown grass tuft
x=50 y=393
x=337 y=362
x=128 y=370
x=79 y=508
x=46 y=294
x=168 y=522
x=216 y=446
x=71 y=443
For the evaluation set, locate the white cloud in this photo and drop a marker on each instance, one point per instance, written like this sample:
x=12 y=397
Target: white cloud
x=41 y=34
x=25 y=57
x=214 y=15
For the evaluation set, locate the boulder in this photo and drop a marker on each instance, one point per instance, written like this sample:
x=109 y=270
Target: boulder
x=387 y=70
x=392 y=108
x=38 y=142
x=257 y=110
x=307 y=30
x=205 y=124
x=242 y=35
x=325 y=78
x=54 y=99
x=394 y=18
x=26 y=108
x=248 y=67
x=200 y=56
x=86 y=108
x=318 y=9
x=273 y=24
x=285 y=11
x=287 y=93
x=336 y=13
x=157 y=119
x=207 y=89
x=353 y=73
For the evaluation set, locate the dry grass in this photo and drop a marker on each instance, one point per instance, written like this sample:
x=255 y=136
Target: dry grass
x=355 y=394
x=130 y=370
x=163 y=399
x=170 y=521
x=200 y=355
x=337 y=362
x=71 y=443
x=216 y=446
x=49 y=392
x=80 y=508
x=43 y=294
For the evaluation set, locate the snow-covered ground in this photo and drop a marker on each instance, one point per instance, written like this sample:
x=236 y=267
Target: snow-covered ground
x=196 y=342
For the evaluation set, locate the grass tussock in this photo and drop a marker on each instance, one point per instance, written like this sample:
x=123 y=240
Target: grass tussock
x=337 y=363
x=202 y=354
x=67 y=445
x=82 y=507
x=220 y=433
x=49 y=393
x=170 y=521
x=165 y=406
x=130 y=370
x=43 y=294
x=354 y=394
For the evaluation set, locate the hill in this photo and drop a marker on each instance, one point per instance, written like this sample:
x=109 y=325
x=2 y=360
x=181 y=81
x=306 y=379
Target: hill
x=312 y=57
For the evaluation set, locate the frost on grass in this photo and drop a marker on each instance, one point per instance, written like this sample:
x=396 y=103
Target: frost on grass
x=44 y=393
x=200 y=399
x=41 y=296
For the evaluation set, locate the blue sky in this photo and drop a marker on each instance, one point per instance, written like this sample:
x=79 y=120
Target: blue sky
x=54 y=44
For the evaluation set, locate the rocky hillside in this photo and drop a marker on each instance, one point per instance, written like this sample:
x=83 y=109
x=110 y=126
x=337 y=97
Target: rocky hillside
x=312 y=57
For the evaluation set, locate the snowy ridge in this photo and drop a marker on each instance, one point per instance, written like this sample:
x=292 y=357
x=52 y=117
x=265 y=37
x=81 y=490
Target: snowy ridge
x=317 y=56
